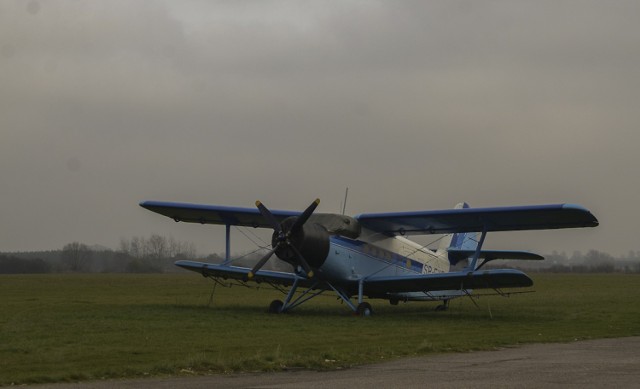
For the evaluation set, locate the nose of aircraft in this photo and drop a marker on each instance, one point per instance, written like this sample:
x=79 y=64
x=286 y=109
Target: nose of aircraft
x=294 y=240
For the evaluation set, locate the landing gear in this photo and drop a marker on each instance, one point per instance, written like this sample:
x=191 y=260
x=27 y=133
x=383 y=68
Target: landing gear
x=443 y=307
x=394 y=301
x=364 y=309
x=313 y=290
x=276 y=306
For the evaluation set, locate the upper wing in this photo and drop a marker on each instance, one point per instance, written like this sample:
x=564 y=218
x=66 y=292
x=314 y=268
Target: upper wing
x=483 y=279
x=536 y=217
x=214 y=214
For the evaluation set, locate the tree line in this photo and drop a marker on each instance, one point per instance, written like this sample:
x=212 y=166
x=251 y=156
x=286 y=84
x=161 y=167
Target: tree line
x=154 y=254
x=593 y=261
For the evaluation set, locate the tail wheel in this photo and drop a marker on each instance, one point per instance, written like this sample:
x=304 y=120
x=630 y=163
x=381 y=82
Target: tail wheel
x=443 y=307
x=364 y=310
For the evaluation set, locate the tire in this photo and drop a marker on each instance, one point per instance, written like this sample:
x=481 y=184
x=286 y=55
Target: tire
x=276 y=306
x=364 y=310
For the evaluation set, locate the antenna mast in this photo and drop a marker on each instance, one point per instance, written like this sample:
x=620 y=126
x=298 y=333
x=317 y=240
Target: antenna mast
x=344 y=204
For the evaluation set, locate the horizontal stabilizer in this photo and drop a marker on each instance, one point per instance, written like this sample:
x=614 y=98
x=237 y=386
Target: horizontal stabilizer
x=456 y=255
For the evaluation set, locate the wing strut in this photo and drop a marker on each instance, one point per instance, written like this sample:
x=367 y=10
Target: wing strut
x=476 y=255
x=227 y=253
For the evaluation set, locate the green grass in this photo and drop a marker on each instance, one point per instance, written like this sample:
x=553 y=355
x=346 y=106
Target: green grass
x=84 y=327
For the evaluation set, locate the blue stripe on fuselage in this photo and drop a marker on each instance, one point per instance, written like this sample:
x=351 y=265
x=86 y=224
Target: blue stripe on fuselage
x=373 y=251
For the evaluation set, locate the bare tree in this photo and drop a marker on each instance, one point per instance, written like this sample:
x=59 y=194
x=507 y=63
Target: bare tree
x=135 y=248
x=76 y=256
x=157 y=247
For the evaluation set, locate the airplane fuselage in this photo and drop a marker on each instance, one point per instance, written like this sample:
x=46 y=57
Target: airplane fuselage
x=380 y=256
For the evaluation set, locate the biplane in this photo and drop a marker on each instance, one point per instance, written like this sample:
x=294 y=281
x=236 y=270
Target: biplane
x=370 y=255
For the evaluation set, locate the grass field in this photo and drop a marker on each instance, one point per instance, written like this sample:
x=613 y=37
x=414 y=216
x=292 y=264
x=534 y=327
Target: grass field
x=85 y=327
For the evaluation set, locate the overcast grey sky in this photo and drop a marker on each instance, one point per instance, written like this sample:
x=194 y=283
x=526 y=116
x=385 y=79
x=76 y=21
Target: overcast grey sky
x=413 y=105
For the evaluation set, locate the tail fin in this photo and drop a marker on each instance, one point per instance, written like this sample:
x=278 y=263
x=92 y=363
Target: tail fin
x=463 y=241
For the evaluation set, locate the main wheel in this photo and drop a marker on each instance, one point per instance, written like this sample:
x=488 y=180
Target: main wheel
x=364 y=309
x=276 y=306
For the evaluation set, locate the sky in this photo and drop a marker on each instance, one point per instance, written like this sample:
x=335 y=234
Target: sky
x=412 y=105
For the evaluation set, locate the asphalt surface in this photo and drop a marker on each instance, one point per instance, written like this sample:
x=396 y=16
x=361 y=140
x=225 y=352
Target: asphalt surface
x=594 y=364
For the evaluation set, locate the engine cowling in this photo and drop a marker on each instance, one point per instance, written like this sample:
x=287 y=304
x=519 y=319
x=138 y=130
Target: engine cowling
x=293 y=240
x=311 y=240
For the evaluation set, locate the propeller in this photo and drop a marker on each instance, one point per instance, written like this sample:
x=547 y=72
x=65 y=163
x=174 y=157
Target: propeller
x=284 y=236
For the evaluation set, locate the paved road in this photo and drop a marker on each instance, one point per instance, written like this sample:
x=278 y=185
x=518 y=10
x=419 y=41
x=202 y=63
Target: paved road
x=595 y=364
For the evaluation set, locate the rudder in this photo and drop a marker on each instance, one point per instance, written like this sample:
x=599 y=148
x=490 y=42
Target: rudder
x=463 y=240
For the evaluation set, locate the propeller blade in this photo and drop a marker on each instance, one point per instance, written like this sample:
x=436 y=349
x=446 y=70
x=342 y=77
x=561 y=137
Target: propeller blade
x=305 y=215
x=269 y=216
x=261 y=263
x=303 y=262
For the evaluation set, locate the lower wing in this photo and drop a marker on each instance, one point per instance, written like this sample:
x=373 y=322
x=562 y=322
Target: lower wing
x=239 y=273
x=484 y=279
x=378 y=286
